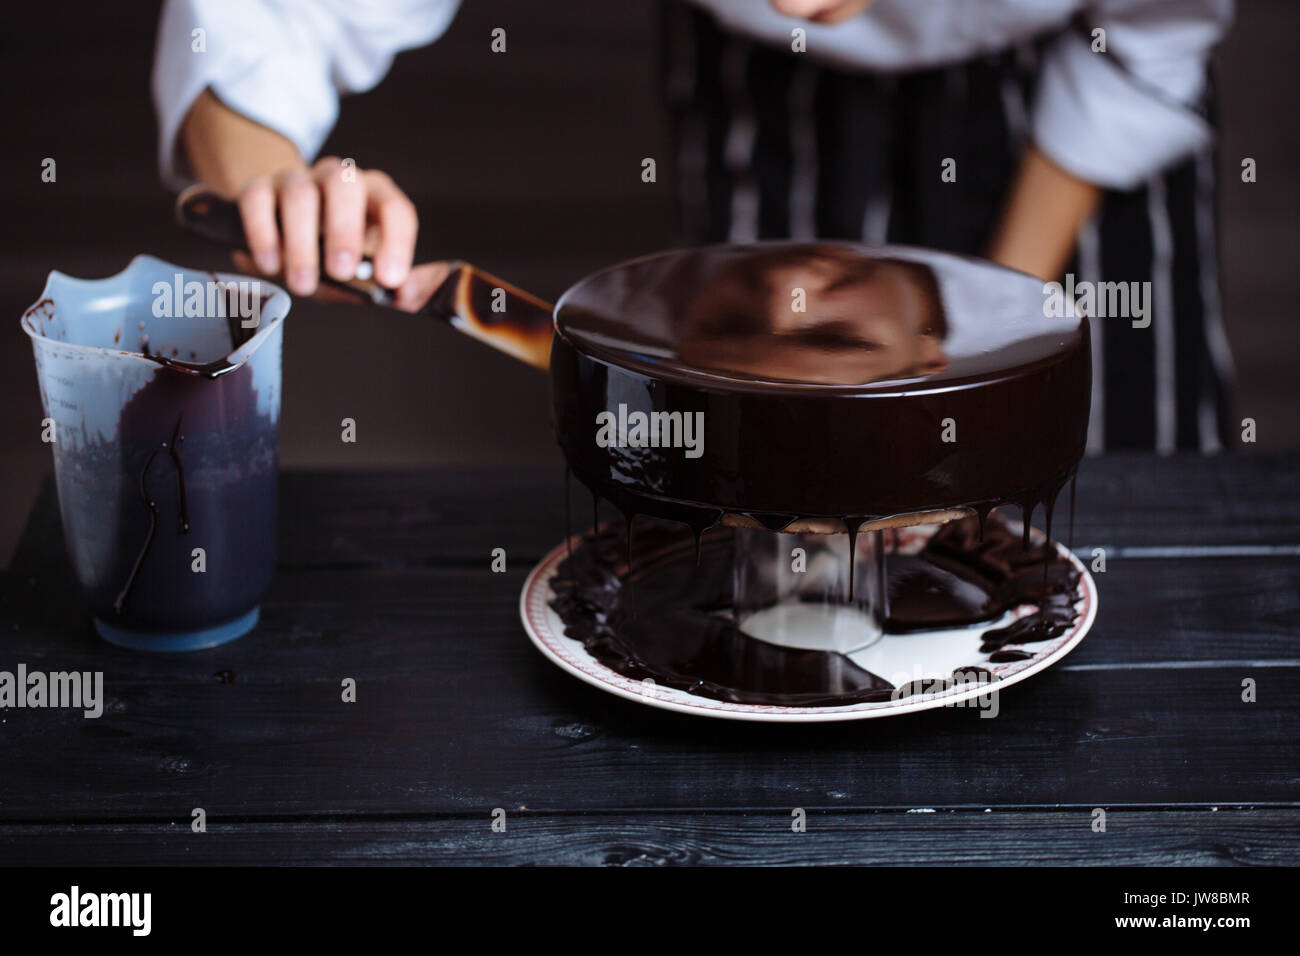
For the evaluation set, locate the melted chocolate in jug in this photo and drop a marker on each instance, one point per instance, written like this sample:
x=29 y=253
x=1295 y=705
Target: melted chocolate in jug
x=199 y=469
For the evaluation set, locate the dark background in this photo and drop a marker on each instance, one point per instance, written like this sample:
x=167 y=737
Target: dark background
x=527 y=164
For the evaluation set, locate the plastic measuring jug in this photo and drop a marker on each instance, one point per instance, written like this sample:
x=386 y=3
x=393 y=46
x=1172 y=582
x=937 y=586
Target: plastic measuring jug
x=161 y=390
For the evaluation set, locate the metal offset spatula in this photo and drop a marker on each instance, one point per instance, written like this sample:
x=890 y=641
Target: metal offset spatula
x=469 y=300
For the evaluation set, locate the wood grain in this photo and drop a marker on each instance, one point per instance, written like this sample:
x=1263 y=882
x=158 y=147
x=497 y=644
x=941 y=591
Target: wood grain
x=449 y=720
x=1203 y=837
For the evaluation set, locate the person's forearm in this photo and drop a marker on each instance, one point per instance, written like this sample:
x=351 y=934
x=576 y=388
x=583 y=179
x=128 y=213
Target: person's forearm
x=1041 y=218
x=226 y=149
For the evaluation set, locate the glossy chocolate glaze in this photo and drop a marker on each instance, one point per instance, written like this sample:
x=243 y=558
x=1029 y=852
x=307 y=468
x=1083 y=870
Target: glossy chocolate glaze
x=838 y=411
x=670 y=619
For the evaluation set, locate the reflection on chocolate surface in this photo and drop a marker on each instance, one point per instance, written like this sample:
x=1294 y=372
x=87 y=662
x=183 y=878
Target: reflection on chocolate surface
x=818 y=314
x=731 y=315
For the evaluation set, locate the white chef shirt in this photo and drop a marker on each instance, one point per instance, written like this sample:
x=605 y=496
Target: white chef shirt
x=282 y=63
x=1111 y=118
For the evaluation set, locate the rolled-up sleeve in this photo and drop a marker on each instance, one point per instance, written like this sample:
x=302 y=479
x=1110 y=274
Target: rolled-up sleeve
x=1117 y=117
x=281 y=63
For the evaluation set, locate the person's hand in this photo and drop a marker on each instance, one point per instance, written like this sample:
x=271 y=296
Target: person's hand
x=358 y=212
x=821 y=11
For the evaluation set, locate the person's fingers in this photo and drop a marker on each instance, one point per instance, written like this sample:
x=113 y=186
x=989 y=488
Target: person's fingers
x=821 y=11
x=357 y=213
x=324 y=293
x=343 y=220
x=300 y=223
x=398 y=224
x=256 y=203
x=422 y=282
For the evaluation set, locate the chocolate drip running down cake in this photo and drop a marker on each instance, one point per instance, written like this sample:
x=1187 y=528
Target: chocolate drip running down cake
x=824 y=387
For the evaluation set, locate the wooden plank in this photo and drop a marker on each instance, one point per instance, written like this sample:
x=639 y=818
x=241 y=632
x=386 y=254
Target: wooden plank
x=1145 y=501
x=1122 y=502
x=382 y=519
x=1161 y=614
x=456 y=711
x=1201 y=837
x=452 y=516
x=1125 y=503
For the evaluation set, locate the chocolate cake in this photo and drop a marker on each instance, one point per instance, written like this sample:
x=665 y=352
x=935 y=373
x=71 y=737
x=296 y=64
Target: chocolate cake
x=817 y=386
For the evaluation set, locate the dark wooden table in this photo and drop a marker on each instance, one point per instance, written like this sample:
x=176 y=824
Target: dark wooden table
x=385 y=578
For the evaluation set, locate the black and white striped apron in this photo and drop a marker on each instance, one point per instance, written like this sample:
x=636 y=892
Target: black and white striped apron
x=771 y=145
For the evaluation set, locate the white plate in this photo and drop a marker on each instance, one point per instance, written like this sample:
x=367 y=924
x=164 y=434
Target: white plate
x=546 y=630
